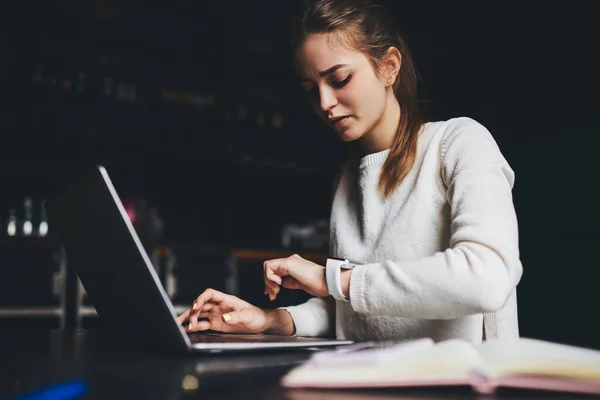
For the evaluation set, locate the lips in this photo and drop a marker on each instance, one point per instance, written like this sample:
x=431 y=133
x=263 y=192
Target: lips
x=337 y=121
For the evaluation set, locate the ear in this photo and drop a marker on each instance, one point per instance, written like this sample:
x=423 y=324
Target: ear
x=390 y=66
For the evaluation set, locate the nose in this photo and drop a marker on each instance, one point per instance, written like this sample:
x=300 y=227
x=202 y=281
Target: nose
x=327 y=98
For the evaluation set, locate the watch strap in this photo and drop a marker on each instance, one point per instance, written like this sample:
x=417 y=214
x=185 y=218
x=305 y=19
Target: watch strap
x=333 y=276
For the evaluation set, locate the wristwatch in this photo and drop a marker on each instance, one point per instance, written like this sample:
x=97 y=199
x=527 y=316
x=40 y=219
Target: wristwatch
x=332 y=276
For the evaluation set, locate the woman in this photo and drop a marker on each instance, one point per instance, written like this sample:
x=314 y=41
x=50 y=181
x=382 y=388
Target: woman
x=425 y=214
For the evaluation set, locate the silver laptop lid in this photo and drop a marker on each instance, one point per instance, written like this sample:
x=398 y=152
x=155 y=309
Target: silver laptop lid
x=107 y=254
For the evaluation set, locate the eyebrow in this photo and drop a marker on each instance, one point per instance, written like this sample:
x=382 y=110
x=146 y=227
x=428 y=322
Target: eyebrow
x=328 y=71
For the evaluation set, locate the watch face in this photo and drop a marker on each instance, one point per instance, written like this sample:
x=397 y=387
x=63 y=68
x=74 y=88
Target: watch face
x=341 y=262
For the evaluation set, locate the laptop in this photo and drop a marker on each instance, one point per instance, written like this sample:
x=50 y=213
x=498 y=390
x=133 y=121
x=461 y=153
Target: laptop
x=105 y=251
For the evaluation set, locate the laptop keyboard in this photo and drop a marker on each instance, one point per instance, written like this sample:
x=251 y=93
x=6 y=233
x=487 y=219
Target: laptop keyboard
x=215 y=337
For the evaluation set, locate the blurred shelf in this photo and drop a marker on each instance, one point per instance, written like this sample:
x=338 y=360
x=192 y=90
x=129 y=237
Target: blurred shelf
x=264 y=254
x=90 y=311
x=246 y=254
x=31 y=312
x=87 y=311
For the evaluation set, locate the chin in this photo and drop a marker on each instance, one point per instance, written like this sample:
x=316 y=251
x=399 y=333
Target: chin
x=349 y=136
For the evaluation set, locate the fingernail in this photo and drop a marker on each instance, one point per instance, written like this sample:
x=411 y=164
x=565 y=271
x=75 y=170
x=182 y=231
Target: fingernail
x=226 y=317
x=190 y=327
x=194 y=305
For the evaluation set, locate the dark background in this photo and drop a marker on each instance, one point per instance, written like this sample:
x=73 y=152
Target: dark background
x=179 y=122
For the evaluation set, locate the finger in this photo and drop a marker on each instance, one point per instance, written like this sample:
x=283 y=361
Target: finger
x=291 y=283
x=201 y=326
x=277 y=268
x=273 y=277
x=268 y=291
x=209 y=295
x=272 y=294
x=183 y=316
x=201 y=313
x=272 y=285
x=191 y=314
x=265 y=270
x=237 y=317
x=271 y=266
x=273 y=291
x=272 y=282
x=268 y=272
x=208 y=307
x=193 y=321
x=275 y=280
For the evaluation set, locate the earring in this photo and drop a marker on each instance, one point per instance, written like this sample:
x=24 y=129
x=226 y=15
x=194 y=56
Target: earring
x=388 y=81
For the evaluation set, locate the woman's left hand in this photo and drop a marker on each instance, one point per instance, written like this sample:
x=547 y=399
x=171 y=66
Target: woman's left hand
x=294 y=272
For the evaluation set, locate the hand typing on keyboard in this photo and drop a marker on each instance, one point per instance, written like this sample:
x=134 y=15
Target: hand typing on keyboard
x=217 y=311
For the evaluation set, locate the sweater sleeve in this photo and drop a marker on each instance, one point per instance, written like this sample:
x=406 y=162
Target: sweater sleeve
x=314 y=317
x=481 y=268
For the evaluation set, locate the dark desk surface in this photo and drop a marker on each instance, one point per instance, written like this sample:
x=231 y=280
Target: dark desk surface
x=31 y=359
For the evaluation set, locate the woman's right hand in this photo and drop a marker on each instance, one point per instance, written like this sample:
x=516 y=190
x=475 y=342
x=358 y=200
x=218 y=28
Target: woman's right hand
x=217 y=311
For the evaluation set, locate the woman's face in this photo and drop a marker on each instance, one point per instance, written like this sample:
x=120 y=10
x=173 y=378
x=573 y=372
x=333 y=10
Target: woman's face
x=342 y=85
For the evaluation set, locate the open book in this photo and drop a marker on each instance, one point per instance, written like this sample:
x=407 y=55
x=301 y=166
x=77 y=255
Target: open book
x=512 y=363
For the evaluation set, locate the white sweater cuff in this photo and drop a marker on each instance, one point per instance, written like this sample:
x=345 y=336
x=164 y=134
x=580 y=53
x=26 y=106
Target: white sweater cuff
x=309 y=319
x=357 y=289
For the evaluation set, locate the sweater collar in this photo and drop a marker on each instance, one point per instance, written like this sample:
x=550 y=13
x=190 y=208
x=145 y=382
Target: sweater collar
x=374 y=159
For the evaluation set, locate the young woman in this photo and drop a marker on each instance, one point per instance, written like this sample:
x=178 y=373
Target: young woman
x=423 y=218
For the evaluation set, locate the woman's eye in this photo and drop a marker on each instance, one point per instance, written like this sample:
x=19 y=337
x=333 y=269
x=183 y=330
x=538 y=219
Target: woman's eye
x=342 y=83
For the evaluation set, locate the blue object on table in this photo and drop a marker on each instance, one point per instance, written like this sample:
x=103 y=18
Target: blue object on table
x=62 y=391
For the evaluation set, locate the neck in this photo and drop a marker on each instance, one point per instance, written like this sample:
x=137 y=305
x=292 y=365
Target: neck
x=382 y=135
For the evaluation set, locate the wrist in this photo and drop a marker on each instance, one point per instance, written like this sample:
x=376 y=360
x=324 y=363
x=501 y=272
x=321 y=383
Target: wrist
x=279 y=322
x=345 y=281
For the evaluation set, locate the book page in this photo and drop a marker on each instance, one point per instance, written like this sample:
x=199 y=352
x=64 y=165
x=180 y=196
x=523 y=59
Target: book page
x=524 y=356
x=447 y=362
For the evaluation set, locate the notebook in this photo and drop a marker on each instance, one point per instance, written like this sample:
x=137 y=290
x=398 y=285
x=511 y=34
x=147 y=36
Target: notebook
x=522 y=363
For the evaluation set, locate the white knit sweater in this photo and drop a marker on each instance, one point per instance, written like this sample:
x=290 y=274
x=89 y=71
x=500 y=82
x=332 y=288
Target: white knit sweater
x=440 y=256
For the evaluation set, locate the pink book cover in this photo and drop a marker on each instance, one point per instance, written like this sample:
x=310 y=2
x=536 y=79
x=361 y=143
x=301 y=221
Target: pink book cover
x=541 y=383
x=478 y=382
